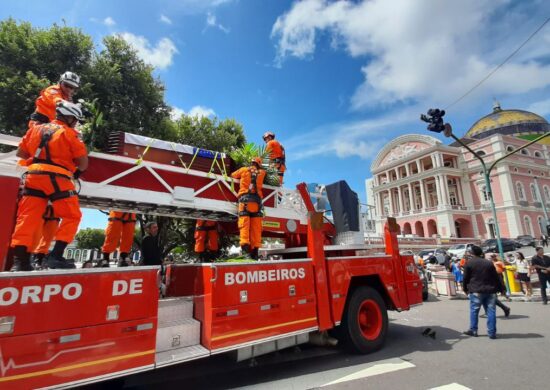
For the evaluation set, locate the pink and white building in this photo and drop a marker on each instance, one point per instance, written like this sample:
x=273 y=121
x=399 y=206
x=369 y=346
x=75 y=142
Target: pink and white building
x=437 y=189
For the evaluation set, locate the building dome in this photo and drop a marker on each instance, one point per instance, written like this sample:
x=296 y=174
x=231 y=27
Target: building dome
x=519 y=123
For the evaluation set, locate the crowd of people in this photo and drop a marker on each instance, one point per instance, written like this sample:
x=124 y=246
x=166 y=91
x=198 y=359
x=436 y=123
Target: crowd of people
x=55 y=156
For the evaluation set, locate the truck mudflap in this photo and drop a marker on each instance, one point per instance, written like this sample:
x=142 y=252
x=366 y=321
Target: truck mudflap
x=61 y=327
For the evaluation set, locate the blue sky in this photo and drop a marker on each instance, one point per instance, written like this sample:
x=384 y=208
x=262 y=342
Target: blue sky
x=334 y=80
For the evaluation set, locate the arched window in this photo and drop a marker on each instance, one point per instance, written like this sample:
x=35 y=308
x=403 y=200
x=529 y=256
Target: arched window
x=525 y=152
x=528 y=228
x=510 y=148
x=534 y=192
x=546 y=193
x=538 y=154
x=484 y=194
x=520 y=191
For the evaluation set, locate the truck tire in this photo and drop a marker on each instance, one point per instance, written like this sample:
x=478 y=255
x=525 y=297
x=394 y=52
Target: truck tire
x=365 y=321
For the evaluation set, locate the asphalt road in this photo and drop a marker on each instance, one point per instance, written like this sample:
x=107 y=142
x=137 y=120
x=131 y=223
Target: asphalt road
x=517 y=359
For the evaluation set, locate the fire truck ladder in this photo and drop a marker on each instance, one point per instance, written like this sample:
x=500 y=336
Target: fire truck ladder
x=120 y=183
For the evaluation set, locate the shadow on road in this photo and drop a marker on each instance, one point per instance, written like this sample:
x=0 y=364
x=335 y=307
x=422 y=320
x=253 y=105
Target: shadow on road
x=519 y=336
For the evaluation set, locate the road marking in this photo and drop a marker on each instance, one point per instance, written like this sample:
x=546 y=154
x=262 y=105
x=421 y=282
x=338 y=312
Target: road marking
x=338 y=375
x=451 y=386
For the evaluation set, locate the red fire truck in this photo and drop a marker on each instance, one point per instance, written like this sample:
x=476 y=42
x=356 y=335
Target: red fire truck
x=61 y=328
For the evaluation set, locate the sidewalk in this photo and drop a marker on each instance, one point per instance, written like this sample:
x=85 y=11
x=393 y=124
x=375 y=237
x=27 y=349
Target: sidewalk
x=515 y=297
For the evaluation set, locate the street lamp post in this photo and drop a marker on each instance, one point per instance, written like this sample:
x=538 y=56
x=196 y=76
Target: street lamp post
x=435 y=120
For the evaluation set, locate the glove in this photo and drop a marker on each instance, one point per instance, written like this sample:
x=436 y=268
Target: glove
x=77 y=174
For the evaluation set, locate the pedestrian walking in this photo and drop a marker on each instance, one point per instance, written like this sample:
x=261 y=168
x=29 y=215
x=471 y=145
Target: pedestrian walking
x=500 y=268
x=457 y=272
x=481 y=283
x=544 y=240
x=541 y=263
x=523 y=270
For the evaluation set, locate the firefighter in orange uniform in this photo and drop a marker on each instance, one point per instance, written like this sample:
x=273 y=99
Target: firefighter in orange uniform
x=276 y=154
x=58 y=156
x=44 y=236
x=50 y=97
x=250 y=206
x=119 y=234
x=206 y=236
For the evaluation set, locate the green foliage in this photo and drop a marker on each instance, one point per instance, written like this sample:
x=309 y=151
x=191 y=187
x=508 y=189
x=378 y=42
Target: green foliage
x=242 y=157
x=31 y=59
x=90 y=238
x=212 y=134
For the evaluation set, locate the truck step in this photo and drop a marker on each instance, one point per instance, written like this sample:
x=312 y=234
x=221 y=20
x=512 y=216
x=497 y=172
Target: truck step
x=178 y=334
x=181 y=355
x=174 y=309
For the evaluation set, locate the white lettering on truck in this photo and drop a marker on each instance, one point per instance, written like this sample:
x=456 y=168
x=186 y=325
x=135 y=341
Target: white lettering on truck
x=38 y=294
x=121 y=287
x=262 y=276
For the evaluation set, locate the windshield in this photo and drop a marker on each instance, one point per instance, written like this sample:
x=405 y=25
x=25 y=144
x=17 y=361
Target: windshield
x=455 y=247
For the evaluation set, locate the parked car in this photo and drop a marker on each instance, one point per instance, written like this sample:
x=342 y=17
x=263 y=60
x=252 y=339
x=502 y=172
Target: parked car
x=424 y=279
x=508 y=245
x=459 y=250
x=526 y=240
x=438 y=253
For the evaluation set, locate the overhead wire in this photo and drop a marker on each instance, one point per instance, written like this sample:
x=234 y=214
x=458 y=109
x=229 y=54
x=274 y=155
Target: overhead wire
x=499 y=65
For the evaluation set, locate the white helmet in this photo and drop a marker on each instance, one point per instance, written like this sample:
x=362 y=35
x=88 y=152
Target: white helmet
x=70 y=78
x=69 y=109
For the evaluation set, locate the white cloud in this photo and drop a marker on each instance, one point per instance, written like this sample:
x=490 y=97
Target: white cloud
x=108 y=21
x=159 y=56
x=541 y=107
x=176 y=113
x=211 y=21
x=361 y=138
x=201 y=111
x=165 y=19
x=196 y=111
x=424 y=50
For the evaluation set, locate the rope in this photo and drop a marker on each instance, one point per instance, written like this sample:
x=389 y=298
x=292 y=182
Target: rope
x=177 y=154
x=193 y=159
x=140 y=160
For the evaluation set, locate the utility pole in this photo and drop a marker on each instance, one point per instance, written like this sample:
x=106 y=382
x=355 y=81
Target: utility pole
x=435 y=120
x=539 y=195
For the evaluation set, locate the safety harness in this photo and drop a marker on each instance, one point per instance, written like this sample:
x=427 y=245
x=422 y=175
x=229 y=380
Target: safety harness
x=280 y=161
x=38 y=117
x=203 y=228
x=251 y=196
x=125 y=218
x=48 y=130
x=49 y=215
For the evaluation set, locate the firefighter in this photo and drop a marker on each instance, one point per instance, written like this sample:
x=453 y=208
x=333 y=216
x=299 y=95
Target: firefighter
x=250 y=206
x=206 y=236
x=58 y=156
x=45 y=236
x=50 y=97
x=119 y=234
x=276 y=154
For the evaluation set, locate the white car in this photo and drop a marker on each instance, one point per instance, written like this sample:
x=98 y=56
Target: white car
x=458 y=250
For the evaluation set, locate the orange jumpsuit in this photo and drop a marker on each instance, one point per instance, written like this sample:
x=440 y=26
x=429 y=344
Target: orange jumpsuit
x=49 y=180
x=45 y=235
x=277 y=157
x=47 y=101
x=206 y=231
x=120 y=231
x=250 y=197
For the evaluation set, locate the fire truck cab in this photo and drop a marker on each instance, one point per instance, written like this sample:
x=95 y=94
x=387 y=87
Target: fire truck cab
x=69 y=327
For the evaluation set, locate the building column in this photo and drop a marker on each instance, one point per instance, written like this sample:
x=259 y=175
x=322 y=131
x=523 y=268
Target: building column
x=445 y=189
x=390 y=196
x=411 y=197
x=400 y=198
x=407 y=169
x=418 y=166
x=423 y=194
x=438 y=190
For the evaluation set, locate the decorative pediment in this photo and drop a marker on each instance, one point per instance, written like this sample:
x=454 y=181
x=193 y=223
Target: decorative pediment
x=402 y=147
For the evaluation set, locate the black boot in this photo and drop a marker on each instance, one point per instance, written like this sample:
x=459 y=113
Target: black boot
x=203 y=257
x=55 y=258
x=21 y=259
x=254 y=253
x=123 y=261
x=39 y=260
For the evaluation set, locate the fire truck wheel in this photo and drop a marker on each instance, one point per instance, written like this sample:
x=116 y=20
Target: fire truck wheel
x=365 y=321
